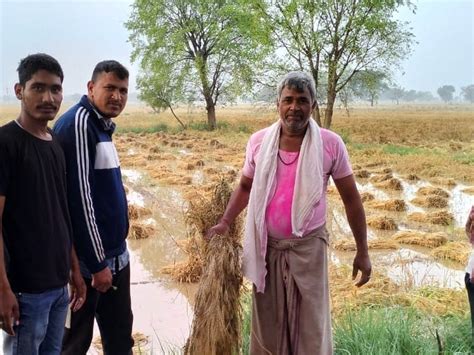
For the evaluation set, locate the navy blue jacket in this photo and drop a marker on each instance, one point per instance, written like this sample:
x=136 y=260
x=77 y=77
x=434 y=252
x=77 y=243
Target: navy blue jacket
x=97 y=200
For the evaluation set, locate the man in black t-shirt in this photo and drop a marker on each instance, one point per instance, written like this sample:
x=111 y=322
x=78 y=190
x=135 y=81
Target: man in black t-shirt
x=35 y=226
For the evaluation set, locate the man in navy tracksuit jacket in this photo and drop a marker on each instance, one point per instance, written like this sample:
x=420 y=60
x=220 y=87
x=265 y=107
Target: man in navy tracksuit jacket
x=99 y=213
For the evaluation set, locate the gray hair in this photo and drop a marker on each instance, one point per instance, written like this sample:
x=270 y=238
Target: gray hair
x=297 y=80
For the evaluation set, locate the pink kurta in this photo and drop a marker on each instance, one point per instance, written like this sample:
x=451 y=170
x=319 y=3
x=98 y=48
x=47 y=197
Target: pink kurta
x=278 y=215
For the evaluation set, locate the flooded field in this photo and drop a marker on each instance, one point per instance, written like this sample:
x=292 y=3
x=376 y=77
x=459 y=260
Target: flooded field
x=417 y=184
x=163 y=171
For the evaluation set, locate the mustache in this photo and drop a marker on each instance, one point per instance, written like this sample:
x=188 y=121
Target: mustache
x=54 y=107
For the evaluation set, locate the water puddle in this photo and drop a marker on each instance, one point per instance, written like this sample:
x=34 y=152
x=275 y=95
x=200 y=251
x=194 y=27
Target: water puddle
x=460 y=204
x=198 y=177
x=132 y=176
x=162 y=308
x=410 y=268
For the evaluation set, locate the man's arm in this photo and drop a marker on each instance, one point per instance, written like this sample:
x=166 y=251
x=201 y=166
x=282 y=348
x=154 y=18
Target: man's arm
x=470 y=235
x=238 y=201
x=79 y=149
x=356 y=217
x=470 y=226
x=78 y=286
x=9 y=311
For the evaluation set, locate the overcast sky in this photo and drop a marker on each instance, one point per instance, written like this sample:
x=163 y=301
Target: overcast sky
x=81 y=33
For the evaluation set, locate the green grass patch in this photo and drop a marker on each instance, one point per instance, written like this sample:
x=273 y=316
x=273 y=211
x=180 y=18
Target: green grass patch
x=246 y=321
x=402 y=150
x=388 y=330
x=345 y=135
x=160 y=127
x=400 y=330
x=361 y=146
x=464 y=158
x=203 y=126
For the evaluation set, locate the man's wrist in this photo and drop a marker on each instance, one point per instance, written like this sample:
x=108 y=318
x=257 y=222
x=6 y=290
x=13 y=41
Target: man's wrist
x=4 y=286
x=225 y=221
x=364 y=251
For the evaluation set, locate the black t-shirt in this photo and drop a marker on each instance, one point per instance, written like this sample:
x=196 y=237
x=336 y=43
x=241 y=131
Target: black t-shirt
x=36 y=223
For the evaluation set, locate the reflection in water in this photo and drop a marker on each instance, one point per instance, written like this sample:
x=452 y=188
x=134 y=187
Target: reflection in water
x=135 y=198
x=413 y=269
x=409 y=193
x=130 y=175
x=198 y=177
x=160 y=311
x=409 y=268
x=460 y=204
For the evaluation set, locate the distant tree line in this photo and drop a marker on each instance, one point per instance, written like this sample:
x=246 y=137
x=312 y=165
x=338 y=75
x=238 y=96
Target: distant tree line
x=220 y=50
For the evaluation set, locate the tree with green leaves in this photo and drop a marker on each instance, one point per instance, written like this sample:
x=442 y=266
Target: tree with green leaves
x=395 y=93
x=468 y=93
x=335 y=39
x=368 y=84
x=213 y=45
x=446 y=92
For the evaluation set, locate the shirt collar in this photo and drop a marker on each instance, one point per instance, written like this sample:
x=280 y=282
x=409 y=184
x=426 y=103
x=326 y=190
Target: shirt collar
x=107 y=123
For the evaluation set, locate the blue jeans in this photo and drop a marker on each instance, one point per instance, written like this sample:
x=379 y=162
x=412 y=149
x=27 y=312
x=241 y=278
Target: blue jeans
x=41 y=328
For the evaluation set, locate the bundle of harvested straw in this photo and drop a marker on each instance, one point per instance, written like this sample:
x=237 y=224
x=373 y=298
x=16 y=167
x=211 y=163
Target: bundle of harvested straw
x=429 y=240
x=388 y=205
x=381 y=222
x=217 y=312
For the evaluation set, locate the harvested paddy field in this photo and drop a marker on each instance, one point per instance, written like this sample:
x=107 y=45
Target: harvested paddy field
x=414 y=167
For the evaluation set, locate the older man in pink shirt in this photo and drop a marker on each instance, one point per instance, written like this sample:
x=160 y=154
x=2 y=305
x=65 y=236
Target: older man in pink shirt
x=283 y=183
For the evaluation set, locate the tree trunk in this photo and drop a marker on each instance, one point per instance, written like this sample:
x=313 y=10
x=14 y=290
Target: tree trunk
x=177 y=118
x=317 y=114
x=211 y=114
x=201 y=66
x=330 y=106
x=331 y=94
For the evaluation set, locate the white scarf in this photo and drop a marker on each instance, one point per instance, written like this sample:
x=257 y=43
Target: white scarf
x=307 y=192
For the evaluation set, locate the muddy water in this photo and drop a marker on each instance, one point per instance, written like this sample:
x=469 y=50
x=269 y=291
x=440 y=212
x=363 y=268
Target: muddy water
x=410 y=266
x=162 y=308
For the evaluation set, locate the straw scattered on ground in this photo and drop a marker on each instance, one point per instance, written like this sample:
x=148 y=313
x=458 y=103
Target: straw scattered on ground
x=431 y=201
x=376 y=244
x=135 y=211
x=442 y=218
x=140 y=229
x=190 y=270
x=469 y=190
x=412 y=177
x=430 y=240
x=141 y=343
x=390 y=184
x=382 y=222
x=444 y=181
x=381 y=291
x=362 y=174
x=395 y=205
x=366 y=196
x=456 y=251
x=432 y=190
x=381 y=177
